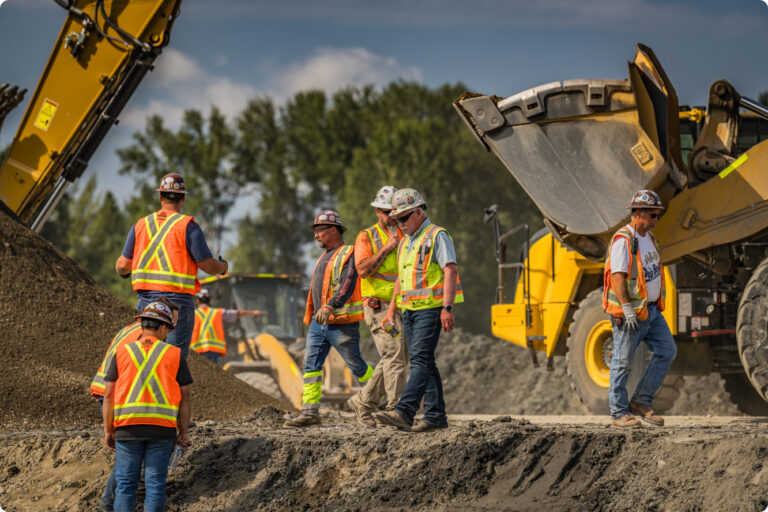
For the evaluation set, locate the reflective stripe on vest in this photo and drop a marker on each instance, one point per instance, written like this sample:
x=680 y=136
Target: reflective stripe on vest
x=127 y=334
x=169 y=274
x=350 y=312
x=208 y=335
x=152 y=397
x=421 y=279
x=352 y=307
x=381 y=284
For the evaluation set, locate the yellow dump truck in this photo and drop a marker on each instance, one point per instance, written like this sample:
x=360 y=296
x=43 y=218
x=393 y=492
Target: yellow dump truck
x=580 y=149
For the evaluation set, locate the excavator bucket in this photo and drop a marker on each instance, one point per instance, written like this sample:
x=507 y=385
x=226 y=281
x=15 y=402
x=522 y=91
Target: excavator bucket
x=582 y=148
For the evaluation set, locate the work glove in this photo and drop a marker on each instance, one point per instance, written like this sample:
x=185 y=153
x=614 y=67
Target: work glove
x=222 y=260
x=323 y=314
x=630 y=318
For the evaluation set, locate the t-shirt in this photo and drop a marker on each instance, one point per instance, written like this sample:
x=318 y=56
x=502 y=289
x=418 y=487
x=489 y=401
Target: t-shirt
x=443 y=251
x=648 y=255
x=197 y=248
x=148 y=432
x=363 y=248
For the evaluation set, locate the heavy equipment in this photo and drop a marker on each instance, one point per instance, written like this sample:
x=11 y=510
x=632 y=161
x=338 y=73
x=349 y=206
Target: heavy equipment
x=267 y=352
x=580 y=149
x=104 y=50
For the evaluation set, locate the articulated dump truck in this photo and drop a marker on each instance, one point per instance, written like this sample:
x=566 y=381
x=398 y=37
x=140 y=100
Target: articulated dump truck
x=268 y=352
x=580 y=149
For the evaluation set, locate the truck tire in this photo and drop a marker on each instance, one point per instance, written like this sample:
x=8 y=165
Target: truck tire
x=752 y=329
x=588 y=360
x=263 y=382
x=744 y=395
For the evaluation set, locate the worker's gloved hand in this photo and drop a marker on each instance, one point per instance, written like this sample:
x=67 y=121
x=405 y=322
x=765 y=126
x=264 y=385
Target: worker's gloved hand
x=323 y=314
x=222 y=260
x=630 y=318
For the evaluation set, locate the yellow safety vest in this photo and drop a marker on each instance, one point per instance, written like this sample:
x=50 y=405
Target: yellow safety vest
x=421 y=279
x=381 y=284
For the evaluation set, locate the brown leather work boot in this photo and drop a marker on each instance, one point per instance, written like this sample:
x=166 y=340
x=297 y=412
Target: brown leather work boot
x=363 y=413
x=423 y=426
x=394 y=419
x=647 y=414
x=303 y=420
x=625 y=421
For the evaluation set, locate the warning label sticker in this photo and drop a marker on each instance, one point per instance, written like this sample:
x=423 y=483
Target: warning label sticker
x=45 y=116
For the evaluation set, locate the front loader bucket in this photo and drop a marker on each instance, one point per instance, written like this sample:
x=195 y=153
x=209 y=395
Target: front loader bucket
x=580 y=148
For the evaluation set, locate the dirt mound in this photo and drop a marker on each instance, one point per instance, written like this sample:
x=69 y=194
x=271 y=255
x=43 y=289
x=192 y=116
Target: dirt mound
x=504 y=464
x=56 y=324
x=486 y=375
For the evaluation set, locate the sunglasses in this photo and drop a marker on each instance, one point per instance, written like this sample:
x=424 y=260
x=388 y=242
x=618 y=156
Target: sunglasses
x=320 y=230
x=654 y=215
x=402 y=220
x=385 y=212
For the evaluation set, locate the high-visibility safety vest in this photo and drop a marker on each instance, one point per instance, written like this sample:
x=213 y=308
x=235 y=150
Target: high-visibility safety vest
x=127 y=334
x=161 y=261
x=638 y=295
x=421 y=279
x=381 y=284
x=208 y=335
x=350 y=312
x=146 y=391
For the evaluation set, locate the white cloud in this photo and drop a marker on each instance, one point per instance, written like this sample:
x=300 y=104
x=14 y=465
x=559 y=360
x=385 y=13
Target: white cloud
x=173 y=68
x=331 y=69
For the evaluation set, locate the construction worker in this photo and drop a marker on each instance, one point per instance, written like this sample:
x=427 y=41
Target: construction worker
x=633 y=284
x=146 y=397
x=376 y=263
x=428 y=286
x=162 y=254
x=334 y=310
x=208 y=338
x=127 y=334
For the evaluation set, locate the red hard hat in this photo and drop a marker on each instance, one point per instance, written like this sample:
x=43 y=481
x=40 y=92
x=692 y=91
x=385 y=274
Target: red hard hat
x=328 y=218
x=157 y=311
x=172 y=182
x=646 y=199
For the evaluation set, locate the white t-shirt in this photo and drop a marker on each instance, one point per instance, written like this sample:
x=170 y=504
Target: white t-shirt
x=651 y=263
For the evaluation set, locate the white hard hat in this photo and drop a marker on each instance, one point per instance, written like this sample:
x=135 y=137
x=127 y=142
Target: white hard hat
x=406 y=199
x=383 y=197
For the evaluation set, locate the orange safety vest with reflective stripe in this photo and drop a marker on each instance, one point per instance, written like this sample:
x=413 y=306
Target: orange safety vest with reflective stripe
x=127 y=334
x=421 y=279
x=638 y=295
x=146 y=390
x=208 y=335
x=381 y=284
x=161 y=261
x=350 y=312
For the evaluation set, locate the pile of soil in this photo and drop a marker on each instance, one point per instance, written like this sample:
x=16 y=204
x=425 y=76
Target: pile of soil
x=57 y=324
x=501 y=464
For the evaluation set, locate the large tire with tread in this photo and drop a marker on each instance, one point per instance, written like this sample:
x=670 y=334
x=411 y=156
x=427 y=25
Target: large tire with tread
x=263 y=382
x=752 y=329
x=744 y=395
x=590 y=347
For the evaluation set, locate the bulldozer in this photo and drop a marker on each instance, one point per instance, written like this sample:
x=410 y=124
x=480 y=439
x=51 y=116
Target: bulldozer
x=580 y=149
x=268 y=352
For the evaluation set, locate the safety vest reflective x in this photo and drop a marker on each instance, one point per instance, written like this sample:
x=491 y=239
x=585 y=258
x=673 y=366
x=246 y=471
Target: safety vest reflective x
x=350 y=312
x=146 y=391
x=208 y=335
x=127 y=334
x=381 y=284
x=161 y=261
x=421 y=279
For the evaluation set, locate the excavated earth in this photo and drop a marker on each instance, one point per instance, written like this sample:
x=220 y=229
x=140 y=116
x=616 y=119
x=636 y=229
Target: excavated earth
x=57 y=323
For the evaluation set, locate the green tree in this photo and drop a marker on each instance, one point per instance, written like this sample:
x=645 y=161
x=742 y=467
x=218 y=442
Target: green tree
x=763 y=98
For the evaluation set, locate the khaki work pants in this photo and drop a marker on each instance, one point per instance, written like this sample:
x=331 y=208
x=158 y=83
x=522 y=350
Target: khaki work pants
x=389 y=375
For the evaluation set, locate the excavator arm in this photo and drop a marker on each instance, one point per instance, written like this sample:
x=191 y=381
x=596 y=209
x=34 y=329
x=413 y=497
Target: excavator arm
x=102 y=53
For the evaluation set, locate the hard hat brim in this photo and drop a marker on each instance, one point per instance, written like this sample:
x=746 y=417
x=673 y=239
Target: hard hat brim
x=382 y=206
x=342 y=228
x=645 y=207
x=171 y=191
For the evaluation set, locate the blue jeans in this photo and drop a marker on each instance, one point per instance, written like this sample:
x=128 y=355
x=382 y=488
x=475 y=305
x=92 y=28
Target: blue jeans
x=129 y=456
x=345 y=338
x=108 y=498
x=655 y=333
x=211 y=356
x=422 y=331
x=181 y=336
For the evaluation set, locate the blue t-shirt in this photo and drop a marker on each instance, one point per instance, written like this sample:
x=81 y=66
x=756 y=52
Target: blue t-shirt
x=197 y=248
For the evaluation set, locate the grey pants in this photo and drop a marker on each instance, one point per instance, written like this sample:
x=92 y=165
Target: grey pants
x=389 y=376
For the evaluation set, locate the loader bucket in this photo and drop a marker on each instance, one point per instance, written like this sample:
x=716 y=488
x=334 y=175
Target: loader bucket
x=582 y=148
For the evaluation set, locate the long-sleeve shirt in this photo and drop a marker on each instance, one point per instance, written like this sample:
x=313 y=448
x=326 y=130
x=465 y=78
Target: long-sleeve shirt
x=348 y=281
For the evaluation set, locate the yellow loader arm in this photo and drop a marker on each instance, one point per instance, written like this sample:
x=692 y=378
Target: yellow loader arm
x=103 y=51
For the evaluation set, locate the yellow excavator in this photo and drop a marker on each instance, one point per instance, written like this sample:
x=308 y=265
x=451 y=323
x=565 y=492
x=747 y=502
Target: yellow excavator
x=104 y=50
x=580 y=149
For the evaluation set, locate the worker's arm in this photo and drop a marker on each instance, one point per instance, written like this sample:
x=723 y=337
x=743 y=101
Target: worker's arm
x=185 y=413
x=368 y=266
x=212 y=266
x=108 y=415
x=449 y=295
x=123 y=266
x=390 y=316
x=255 y=313
x=619 y=282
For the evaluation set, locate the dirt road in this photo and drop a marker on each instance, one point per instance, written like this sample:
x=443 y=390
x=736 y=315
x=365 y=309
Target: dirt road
x=480 y=463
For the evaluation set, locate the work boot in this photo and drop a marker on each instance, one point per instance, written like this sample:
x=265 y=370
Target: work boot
x=393 y=419
x=647 y=414
x=423 y=426
x=363 y=413
x=625 y=421
x=303 y=420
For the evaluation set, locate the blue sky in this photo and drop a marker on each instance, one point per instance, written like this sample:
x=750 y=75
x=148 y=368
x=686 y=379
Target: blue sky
x=225 y=51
